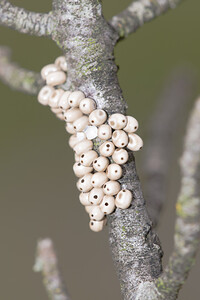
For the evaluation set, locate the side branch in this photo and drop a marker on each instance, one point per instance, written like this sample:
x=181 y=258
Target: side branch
x=16 y=77
x=138 y=13
x=25 y=21
x=187 y=227
x=46 y=262
x=159 y=148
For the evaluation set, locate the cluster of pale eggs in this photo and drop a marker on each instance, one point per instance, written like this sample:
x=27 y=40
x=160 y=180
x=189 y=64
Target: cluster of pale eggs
x=98 y=173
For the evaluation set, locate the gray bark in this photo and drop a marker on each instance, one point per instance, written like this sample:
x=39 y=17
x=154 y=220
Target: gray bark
x=25 y=21
x=133 y=244
x=16 y=77
x=138 y=13
x=46 y=262
x=187 y=227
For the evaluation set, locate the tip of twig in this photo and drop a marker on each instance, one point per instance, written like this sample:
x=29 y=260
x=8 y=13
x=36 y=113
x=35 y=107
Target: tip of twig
x=45 y=243
x=45 y=254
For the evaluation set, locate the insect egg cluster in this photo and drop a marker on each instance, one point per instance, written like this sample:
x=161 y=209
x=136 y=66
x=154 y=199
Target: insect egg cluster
x=98 y=171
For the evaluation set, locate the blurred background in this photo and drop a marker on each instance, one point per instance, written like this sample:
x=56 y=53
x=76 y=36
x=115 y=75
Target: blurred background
x=38 y=188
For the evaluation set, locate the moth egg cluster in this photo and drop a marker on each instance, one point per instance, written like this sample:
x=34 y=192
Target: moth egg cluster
x=99 y=169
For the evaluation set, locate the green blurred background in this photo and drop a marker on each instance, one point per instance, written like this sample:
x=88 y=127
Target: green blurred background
x=38 y=192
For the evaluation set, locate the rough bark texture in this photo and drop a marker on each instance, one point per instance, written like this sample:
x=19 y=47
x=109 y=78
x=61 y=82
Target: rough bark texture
x=135 y=247
x=138 y=13
x=25 y=21
x=83 y=33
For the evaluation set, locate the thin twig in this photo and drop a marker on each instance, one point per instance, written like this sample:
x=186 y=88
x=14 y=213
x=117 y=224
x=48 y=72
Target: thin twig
x=187 y=227
x=25 y=21
x=162 y=130
x=138 y=13
x=46 y=262
x=16 y=77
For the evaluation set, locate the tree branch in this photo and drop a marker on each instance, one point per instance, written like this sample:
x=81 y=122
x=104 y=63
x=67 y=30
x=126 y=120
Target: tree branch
x=187 y=227
x=159 y=147
x=136 y=250
x=16 y=77
x=135 y=247
x=25 y=21
x=46 y=262
x=138 y=13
